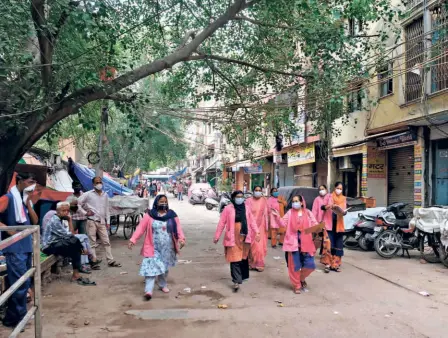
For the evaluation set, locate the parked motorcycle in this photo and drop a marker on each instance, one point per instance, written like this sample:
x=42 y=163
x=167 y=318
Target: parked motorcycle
x=401 y=233
x=224 y=201
x=363 y=234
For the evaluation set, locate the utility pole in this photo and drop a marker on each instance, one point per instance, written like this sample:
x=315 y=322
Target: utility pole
x=104 y=118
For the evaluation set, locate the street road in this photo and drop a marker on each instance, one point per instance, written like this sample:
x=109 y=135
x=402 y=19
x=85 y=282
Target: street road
x=371 y=297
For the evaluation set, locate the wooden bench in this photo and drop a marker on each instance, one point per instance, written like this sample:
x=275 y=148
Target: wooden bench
x=51 y=264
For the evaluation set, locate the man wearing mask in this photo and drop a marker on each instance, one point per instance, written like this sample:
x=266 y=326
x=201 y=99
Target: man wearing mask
x=16 y=209
x=57 y=240
x=96 y=204
x=79 y=217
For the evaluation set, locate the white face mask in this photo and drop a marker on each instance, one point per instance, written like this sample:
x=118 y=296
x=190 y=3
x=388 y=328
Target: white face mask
x=338 y=191
x=99 y=186
x=30 y=188
x=322 y=192
x=296 y=205
x=239 y=200
x=258 y=194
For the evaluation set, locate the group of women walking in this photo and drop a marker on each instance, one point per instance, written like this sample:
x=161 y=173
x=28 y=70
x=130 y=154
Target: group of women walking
x=247 y=223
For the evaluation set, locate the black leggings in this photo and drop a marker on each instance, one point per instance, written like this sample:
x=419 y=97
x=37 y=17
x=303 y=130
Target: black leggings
x=64 y=249
x=239 y=271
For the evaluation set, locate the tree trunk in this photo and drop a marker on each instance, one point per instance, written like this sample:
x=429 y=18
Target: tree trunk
x=11 y=150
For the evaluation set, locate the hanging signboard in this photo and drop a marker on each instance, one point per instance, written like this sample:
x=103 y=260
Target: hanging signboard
x=254 y=169
x=407 y=138
x=376 y=163
x=302 y=154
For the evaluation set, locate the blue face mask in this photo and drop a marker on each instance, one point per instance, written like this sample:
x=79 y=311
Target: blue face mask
x=296 y=205
x=239 y=200
x=275 y=194
x=258 y=194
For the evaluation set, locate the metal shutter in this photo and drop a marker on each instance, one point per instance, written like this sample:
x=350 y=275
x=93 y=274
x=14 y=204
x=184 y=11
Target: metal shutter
x=286 y=175
x=304 y=175
x=401 y=176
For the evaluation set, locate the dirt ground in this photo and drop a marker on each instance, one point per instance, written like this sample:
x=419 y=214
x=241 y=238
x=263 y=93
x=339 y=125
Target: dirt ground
x=371 y=297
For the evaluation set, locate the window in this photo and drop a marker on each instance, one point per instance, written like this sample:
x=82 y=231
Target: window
x=354 y=98
x=385 y=78
x=355 y=26
x=415 y=50
x=439 y=45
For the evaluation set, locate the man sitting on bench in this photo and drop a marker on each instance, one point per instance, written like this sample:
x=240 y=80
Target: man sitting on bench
x=58 y=241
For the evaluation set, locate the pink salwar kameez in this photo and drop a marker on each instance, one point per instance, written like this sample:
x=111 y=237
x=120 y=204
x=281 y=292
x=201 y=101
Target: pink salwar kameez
x=258 y=250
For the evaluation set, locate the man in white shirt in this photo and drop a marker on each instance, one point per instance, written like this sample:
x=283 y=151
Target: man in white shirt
x=96 y=204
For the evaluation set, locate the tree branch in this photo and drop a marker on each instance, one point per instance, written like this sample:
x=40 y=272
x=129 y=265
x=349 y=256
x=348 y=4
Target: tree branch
x=243 y=63
x=73 y=102
x=44 y=38
x=63 y=18
x=121 y=97
x=260 y=23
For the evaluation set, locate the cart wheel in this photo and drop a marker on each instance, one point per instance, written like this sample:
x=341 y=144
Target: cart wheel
x=114 y=224
x=128 y=227
x=137 y=219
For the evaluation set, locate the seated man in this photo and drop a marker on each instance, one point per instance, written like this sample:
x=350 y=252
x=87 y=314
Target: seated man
x=58 y=241
x=90 y=258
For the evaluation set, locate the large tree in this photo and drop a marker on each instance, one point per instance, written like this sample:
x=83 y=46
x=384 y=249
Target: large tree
x=240 y=52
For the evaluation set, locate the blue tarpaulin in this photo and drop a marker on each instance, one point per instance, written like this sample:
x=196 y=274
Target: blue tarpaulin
x=179 y=173
x=110 y=187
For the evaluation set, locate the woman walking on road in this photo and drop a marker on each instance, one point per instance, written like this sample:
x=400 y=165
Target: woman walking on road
x=163 y=240
x=339 y=205
x=258 y=206
x=275 y=224
x=322 y=212
x=241 y=231
x=299 y=246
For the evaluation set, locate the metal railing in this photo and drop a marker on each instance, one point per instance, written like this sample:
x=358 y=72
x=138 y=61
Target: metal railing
x=26 y=231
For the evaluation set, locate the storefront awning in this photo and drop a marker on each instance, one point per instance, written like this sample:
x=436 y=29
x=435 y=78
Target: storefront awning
x=348 y=151
x=212 y=165
x=197 y=170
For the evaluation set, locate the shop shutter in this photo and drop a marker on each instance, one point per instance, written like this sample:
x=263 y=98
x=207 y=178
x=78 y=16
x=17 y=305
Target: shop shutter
x=286 y=175
x=304 y=175
x=401 y=176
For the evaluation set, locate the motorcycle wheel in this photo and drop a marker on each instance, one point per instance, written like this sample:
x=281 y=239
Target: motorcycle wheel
x=364 y=243
x=385 y=237
x=443 y=254
x=209 y=206
x=349 y=242
x=429 y=248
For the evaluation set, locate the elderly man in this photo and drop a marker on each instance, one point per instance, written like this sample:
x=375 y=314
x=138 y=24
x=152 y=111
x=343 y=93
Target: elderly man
x=74 y=209
x=57 y=240
x=96 y=203
x=16 y=209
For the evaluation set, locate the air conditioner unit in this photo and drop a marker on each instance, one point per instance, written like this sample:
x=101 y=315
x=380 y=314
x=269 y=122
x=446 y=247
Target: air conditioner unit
x=345 y=163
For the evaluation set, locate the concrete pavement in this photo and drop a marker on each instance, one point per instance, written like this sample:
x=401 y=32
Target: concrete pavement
x=371 y=297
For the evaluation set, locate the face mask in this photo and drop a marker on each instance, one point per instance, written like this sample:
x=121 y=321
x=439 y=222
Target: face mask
x=296 y=205
x=338 y=191
x=64 y=218
x=162 y=207
x=77 y=190
x=322 y=192
x=258 y=194
x=99 y=186
x=30 y=188
x=275 y=194
x=74 y=208
x=239 y=200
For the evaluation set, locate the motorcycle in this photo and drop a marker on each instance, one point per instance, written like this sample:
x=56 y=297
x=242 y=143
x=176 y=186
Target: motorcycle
x=396 y=231
x=224 y=201
x=362 y=234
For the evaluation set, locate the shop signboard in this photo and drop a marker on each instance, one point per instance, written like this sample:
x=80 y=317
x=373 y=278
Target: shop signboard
x=302 y=154
x=407 y=138
x=299 y=121
x=376 y=163
x=254 y=169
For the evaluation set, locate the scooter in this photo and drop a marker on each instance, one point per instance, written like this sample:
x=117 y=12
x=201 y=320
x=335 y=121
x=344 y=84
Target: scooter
x=212 y=202
x=365 y=232
x=224 y=201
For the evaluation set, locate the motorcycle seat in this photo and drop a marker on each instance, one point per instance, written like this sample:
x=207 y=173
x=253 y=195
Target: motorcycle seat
x=402 y=223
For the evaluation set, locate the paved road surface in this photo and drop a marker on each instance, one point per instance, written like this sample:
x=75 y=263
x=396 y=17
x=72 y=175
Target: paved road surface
x=369 y=298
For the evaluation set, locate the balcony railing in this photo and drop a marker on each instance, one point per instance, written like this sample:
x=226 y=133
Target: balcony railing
x=412 y=3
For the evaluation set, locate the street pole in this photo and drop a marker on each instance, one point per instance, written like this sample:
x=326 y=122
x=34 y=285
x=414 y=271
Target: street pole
x=99 y=165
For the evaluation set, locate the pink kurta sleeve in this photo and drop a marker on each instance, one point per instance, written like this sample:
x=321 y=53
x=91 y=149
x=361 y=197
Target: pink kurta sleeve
x=316 y=207
x=312 y=219
x=222 y=223
x=141 y=228
x=285 y=220
x=180 y=232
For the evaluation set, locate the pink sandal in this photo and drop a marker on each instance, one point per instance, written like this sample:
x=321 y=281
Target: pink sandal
x=165 y=290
